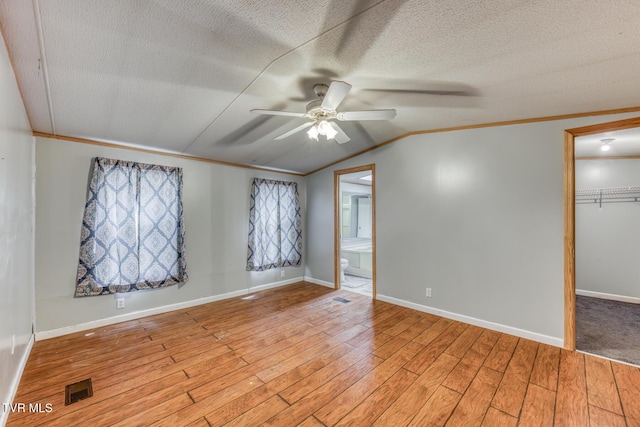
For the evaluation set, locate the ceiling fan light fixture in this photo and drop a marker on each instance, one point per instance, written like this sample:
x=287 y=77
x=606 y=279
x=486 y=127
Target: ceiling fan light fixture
x=313 y=132
x=327 y=130
x=321 y=113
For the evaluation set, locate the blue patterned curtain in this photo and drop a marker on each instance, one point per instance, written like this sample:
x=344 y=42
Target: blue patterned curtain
x=132 y=233
x=275 y=225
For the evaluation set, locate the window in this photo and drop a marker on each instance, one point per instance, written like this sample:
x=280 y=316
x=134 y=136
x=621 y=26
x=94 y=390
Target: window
x=132 y=234
x=275 y=225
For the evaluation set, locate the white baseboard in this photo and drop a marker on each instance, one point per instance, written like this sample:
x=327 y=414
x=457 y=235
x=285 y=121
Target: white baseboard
x=43 y=335
x=319 y=282
x=15 y=381
x=534 y=336
x=612 y=297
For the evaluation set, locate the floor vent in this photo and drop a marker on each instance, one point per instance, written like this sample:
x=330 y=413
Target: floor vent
x=342 y=300
x=77 y=391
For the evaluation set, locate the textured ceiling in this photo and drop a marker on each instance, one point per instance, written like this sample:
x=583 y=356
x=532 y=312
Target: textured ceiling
x=183 y=75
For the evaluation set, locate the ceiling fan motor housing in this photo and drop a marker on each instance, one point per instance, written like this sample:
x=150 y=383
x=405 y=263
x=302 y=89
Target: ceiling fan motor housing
x=320 y=90
x=316 y=112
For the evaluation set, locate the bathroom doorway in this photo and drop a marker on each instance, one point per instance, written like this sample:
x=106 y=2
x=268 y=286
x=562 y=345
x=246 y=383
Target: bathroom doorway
x=354 y=231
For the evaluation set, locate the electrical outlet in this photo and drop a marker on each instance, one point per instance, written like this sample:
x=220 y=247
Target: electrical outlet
x=119 y=302
x=282 y=273
x=13 y=344
x=429 y=292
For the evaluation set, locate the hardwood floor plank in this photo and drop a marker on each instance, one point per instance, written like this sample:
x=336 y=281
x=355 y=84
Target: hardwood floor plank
x=434 y=348
x=628 y=381
x=474 y=404
x=209 y=363
x=337 y=408
x=308 y=384
x=305 y=407
x=208 y=347
x=156 y=412
x=538 y=407
x=259 y=414
x=599 y=417
x=601 y=385
x=371 y=339
x=463 y=343
x=205 y=406
x=513 y=387
x=247 y=401
x=241 y=361
x=402 y=326
x=632 y=422
x=434 y=331
x=418 y=328
x=546 y=366
x=260 y=353
x=305 y=354
x=571 y=398
x=200 y=422
x=438 y=408
x=377 y=402
x=408 y=403
x=87 y=367
x=499 y=357
x=390 y=347
x=311 y=422
x=462 y=375
x=496 y=418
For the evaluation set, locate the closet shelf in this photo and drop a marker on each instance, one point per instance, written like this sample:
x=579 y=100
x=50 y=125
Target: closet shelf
x=608 y=195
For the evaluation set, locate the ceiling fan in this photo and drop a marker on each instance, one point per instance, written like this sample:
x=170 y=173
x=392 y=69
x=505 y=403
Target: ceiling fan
x=322 y=112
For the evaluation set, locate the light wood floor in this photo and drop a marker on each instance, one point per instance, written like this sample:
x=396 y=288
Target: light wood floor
x=295 y=356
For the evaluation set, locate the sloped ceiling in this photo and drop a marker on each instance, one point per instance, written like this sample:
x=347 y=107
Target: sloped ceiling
x=183 y=75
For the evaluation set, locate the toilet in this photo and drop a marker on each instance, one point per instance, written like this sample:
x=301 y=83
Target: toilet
x=344 y=263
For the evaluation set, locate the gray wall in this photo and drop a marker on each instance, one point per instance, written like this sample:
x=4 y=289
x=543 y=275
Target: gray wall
x=608 y=238
x=216 y=209
x=476 y=215
x=16 y=231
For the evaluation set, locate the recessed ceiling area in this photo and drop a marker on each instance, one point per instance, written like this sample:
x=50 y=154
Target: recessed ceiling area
x=183 y=76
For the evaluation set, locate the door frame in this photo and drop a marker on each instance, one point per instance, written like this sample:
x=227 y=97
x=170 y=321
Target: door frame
x=337 y=204
x=569 y=218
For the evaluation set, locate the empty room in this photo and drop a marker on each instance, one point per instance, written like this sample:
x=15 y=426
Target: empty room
x=361 y=212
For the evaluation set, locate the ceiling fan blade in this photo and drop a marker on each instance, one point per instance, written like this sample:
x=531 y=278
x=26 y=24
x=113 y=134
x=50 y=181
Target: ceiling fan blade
x=335 y=95
x=278 y=113
x=292 y=131
x=340 y=137
x=450 y=92
x=367 y=115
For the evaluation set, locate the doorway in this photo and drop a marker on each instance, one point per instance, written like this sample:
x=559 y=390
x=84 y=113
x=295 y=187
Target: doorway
x=570 y=297
x=354 y=230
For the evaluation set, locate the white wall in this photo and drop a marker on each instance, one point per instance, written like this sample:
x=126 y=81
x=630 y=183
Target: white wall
x=476 y=215
x=16 y=232
x=216 y=209
x=608 y=237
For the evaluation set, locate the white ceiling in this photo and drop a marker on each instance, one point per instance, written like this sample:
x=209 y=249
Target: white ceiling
x=625 y=142
x=183 y=75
